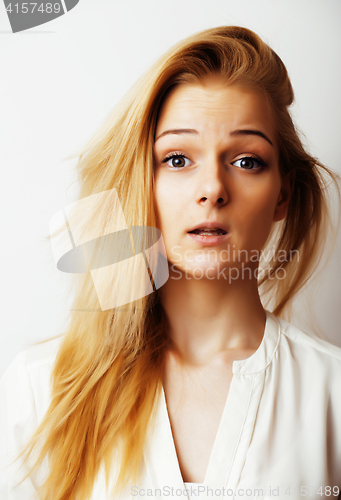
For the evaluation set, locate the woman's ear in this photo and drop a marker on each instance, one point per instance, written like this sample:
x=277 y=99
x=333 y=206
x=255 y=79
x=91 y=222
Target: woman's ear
x=284 y=197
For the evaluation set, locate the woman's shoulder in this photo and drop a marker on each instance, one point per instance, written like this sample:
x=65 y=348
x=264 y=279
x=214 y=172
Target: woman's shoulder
x=309 y=373
x=27 y=380
x=309 y=348
x=35 y=357
x=25 y=391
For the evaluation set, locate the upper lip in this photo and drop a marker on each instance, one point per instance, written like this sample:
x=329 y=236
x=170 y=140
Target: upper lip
x=210 y=225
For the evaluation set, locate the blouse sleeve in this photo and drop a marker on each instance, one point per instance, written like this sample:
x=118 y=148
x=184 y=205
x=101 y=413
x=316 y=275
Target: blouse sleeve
x=18 y=421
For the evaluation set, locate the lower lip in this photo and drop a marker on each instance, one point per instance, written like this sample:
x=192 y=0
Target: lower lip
x=209 y=241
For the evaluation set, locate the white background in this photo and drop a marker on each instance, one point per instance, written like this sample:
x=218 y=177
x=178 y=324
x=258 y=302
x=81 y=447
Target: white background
x=61 y=79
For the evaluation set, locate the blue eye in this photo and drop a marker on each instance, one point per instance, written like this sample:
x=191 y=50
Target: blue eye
x=176 y=160
x=249 y=163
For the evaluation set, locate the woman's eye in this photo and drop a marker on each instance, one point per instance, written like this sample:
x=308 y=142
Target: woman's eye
x=249 y=163
x=176 y=161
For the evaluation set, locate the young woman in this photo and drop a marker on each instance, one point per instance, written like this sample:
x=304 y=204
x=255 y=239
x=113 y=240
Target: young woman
x=197 y=384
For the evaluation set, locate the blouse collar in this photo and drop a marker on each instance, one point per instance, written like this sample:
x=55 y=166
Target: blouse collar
x=262 y=357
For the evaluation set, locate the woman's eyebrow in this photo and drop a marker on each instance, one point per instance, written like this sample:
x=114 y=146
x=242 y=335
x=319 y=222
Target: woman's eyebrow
x=252 y=132
x=179 y=131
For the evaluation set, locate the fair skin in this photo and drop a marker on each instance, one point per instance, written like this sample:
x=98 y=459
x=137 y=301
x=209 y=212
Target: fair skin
x=218 y=317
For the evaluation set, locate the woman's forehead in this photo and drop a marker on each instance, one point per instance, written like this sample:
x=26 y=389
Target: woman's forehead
x=215 y=106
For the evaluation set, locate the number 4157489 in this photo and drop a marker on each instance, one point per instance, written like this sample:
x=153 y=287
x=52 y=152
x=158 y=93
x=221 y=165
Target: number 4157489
x=31 y=7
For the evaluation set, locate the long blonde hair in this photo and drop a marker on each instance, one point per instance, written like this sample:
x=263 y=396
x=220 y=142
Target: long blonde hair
x=107 y=375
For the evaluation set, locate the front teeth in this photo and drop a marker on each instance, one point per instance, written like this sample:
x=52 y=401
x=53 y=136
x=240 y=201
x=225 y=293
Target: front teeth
x=210 y=233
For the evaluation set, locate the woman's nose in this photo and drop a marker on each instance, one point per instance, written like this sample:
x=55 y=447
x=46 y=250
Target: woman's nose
x=211 y=187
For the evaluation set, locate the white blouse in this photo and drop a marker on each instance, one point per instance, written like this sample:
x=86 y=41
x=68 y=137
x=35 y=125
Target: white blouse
x=279 y=435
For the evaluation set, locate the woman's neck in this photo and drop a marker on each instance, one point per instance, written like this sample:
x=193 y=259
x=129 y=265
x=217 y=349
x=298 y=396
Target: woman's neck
x=209 y=317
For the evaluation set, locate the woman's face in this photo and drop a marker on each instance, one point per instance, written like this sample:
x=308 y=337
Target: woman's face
x=216 y=161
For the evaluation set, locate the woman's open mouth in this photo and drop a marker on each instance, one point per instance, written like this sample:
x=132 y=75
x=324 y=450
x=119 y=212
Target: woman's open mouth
x=209 y=236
